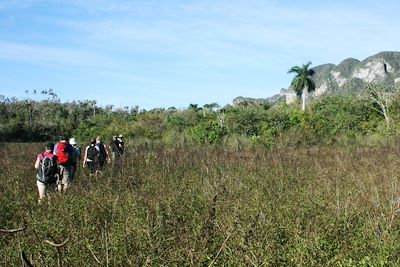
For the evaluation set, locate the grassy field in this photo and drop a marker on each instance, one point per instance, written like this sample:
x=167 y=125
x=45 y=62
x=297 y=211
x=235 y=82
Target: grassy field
x=204 y=206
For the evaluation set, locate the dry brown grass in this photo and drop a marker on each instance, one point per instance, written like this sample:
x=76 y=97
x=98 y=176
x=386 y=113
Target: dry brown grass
x=318 y=206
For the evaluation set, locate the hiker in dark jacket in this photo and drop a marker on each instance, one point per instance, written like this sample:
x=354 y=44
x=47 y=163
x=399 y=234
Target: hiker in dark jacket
x=121 y=145
x=76 y=157
x=103 y=153
x=114 y=148
x=91 y=157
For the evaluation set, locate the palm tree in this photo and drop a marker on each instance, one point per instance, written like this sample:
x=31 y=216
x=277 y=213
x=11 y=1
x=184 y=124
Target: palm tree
x=302 y=83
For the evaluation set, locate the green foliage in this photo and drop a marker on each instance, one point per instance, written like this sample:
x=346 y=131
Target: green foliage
x=341 y=115
x=267 y=136
x=208 y=132
x=149 y=125
x=177 y=122
x=285 y=117
x=246 y=120
x=332 y=118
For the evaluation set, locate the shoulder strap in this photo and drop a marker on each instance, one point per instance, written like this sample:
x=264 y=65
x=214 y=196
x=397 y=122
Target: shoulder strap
x=41 y=166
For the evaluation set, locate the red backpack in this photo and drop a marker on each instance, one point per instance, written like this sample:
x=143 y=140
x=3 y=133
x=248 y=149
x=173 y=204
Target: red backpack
x=63 y=155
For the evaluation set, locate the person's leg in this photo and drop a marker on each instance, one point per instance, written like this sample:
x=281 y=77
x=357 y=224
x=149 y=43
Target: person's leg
x=60 y=178
x=66 y=179
x=73 y=171
x=95 y=167
x=100 y=165
x=41 y=190
x=91 y=166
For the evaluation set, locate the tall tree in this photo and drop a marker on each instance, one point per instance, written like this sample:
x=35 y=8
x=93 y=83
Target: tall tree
x=302 y=82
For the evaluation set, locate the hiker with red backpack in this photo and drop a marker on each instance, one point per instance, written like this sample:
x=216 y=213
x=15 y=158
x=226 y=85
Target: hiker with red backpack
x=46 y=166
x=64 y=152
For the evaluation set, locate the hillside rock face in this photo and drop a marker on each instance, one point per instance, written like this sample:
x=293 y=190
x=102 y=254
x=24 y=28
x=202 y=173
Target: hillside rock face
x=246 y=101
x=350 y=76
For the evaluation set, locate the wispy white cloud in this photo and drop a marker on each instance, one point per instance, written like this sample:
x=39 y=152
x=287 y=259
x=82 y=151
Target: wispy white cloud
x=50 y=56
x=226 y=28
x=218 y=33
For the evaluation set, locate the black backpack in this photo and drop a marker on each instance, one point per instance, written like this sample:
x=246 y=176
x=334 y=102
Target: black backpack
x=102 y=150
x=47 y=170
x=92 y=152
x=114 y=145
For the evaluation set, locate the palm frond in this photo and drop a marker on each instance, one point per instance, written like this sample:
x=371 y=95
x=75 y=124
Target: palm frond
x=295 y=69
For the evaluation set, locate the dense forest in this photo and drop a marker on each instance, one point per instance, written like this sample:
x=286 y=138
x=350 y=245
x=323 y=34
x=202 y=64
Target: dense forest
x=371 y=115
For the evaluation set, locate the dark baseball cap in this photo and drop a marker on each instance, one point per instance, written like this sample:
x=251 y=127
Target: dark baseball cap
x=50 y=145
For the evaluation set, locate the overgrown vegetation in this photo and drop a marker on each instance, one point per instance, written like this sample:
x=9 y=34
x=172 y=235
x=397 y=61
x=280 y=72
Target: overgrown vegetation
x=208 y=205
x=209 y=186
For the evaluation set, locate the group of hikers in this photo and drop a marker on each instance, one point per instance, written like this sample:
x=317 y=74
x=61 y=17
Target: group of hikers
x=59 y=162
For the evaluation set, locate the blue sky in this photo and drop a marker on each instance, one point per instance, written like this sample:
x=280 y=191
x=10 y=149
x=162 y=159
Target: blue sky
x=174 y=53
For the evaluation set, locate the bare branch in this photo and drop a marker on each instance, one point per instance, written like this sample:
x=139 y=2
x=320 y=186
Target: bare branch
x=56 y=245
x=382 y=96
x=94 y=256
x=12 y=230
x=220 y=250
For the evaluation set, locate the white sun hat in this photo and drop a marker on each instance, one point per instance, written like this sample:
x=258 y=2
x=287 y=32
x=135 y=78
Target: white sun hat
x=72 y=141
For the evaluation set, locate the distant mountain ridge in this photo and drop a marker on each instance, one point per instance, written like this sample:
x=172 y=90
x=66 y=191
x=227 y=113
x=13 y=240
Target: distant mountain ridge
x=350 y=76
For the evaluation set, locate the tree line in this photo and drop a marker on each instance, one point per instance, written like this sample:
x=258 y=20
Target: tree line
x=372 y=112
